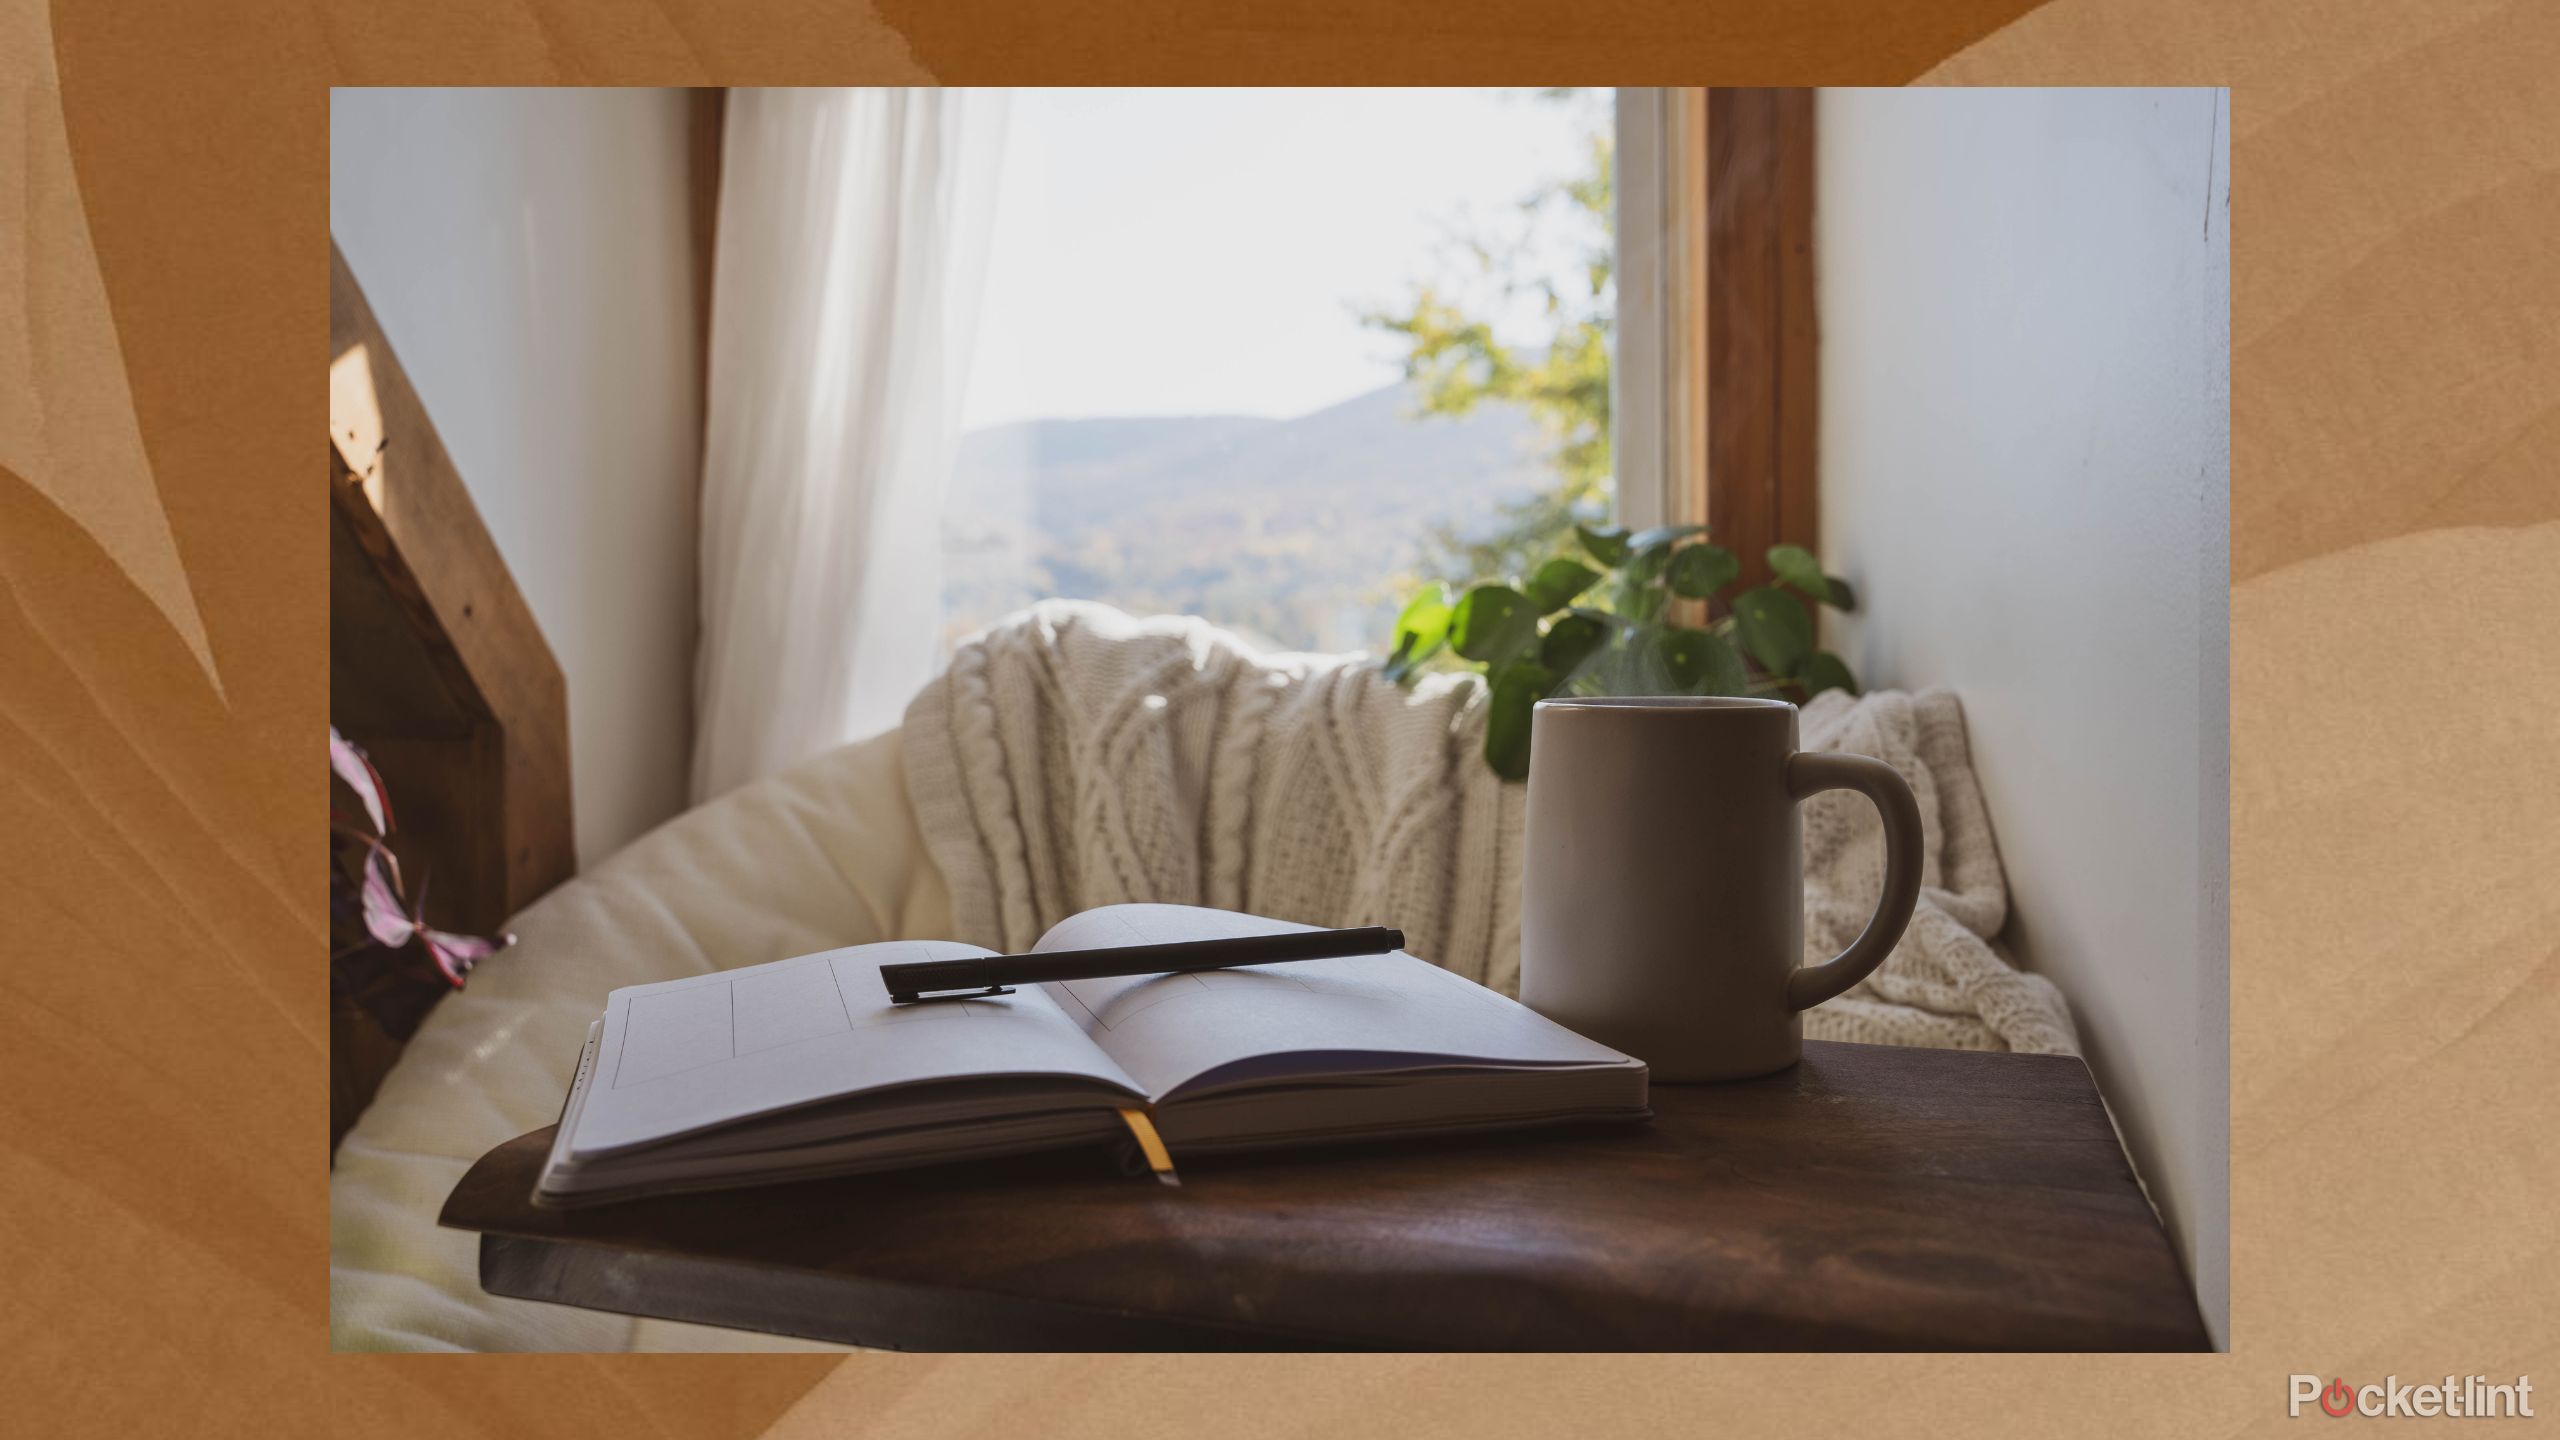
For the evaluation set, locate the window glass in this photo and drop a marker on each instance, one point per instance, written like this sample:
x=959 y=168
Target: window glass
x=1273 y=356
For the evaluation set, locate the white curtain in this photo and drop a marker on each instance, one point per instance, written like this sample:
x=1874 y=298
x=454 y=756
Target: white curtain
x=852 y=244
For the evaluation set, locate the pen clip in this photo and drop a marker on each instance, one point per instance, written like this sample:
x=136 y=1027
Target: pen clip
x=917 y=997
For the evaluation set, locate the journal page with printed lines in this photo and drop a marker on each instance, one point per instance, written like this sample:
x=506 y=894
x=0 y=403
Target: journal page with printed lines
x=1356 y=1015
x=684 y=1055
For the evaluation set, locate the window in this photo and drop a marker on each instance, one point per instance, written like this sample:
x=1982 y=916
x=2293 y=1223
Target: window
x=1189 y=390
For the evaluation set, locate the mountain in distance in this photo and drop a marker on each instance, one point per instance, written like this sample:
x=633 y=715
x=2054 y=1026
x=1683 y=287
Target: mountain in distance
x=1294 y=531
x=1082 y=442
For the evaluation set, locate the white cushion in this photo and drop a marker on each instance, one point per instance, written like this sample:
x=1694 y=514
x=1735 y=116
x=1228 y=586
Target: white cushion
x=823 y=855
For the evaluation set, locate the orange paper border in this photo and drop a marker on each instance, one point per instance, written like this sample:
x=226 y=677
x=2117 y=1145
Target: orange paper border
x=162 y=628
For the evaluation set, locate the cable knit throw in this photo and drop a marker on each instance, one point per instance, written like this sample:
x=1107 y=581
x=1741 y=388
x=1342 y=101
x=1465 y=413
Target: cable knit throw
x=1074 y=757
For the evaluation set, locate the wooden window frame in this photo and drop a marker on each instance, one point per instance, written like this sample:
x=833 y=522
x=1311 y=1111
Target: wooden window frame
x=1762 y=369
x=1717 y=368
x=1657 y=403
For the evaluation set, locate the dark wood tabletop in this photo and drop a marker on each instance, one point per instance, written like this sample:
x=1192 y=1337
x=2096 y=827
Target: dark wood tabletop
x=1871 y=1198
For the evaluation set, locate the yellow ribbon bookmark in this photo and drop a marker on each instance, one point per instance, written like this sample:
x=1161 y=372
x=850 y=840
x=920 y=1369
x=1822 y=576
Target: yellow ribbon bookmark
x=1151 y=1145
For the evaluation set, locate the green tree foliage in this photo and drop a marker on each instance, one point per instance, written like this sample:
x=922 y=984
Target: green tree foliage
x=1458 y=361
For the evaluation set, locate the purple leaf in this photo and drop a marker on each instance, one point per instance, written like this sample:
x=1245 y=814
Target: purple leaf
x=348 y=764
x=386 y=916
x=374 y=894
x=456 y=954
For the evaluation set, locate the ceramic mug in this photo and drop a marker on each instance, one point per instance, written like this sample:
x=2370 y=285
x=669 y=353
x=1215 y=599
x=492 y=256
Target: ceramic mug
x=1662 y=886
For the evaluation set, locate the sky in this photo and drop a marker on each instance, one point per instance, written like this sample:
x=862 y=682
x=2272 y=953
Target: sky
x=1193 y=252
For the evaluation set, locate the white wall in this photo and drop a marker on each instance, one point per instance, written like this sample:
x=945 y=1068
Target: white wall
x=2025 y=451
x=528 y=253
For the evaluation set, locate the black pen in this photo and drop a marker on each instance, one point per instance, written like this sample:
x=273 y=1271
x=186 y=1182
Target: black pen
x=996 y=974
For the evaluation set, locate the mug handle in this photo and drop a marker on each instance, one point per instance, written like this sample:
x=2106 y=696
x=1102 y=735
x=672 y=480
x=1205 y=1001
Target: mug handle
x=1809 y=773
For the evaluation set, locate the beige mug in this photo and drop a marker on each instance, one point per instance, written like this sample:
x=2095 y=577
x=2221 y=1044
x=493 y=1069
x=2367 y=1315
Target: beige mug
x=1662 y=884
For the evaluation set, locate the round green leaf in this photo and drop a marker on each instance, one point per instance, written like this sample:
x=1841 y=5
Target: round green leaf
x=1841 y=596
x=1826 y=671
x=1699 y=571
x=1607 y=543
x=1795 y=565
x=1649 y=551
x=1492 y=624
x=1517 y=689
x=1700 y=663
x=1426 y=615
x=1660 y=536
x=1775 y=628
x=1420 y=631
x=1637 y=601
x=1571 y=640
x=1558 y=582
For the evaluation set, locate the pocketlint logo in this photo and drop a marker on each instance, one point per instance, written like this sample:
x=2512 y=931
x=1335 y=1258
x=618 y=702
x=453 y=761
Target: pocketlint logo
x=2461 y=1397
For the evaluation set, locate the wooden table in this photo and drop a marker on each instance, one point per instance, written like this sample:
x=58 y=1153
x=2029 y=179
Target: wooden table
x=1871 y=1198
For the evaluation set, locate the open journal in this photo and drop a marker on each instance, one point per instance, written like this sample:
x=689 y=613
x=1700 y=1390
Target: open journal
x=804 y=1068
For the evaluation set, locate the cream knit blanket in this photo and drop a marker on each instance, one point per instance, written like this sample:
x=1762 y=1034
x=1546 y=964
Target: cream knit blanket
x=1074 y=757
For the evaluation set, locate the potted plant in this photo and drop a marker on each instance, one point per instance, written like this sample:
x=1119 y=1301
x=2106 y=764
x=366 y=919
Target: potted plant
x=387 y=966
x=1531 y=640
